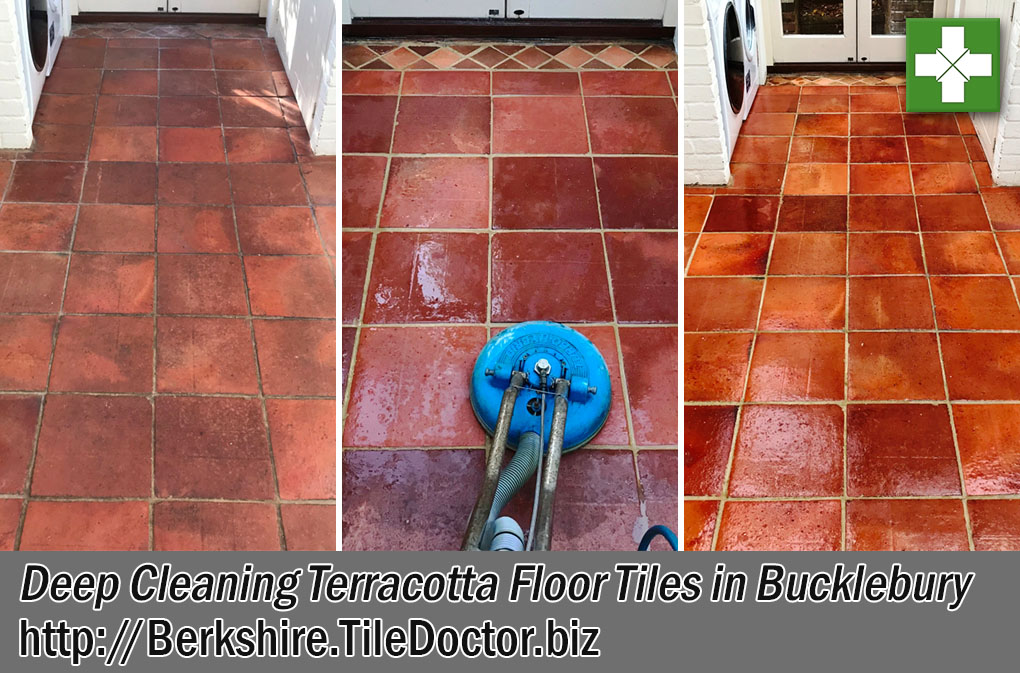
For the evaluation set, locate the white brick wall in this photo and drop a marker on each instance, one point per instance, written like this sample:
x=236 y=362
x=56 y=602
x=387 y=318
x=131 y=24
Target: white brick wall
x=15 y=107
x=705 y=160
x=324 y=126
x=1005 y=160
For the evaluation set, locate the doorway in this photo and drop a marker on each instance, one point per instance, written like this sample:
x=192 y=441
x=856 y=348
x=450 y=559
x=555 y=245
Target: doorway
x=841 y=31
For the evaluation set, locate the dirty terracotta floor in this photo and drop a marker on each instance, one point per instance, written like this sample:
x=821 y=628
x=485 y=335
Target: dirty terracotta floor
x=853 y=333
x=167 y=303
x=485 y=185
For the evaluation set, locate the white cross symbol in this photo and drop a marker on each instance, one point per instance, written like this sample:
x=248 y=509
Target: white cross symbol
x=953 y=64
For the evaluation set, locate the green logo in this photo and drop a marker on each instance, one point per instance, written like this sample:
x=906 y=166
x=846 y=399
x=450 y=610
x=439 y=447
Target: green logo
x=952 y=65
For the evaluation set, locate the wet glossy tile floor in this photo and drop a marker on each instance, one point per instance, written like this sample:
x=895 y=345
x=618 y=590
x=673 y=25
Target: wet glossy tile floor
x=852 y=341
x=489 y=184
x=166 y=304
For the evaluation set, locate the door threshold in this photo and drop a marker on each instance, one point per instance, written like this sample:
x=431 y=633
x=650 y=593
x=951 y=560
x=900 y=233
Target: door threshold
x=794 y=68
x=590 y=29
x=163 y=17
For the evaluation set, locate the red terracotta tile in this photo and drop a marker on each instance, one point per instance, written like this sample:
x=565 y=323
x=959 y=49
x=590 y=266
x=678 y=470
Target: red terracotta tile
x=975 y=303
x=211 y=447
x=354 y=249
x=815 y=179
x=362 y=188
x=440 y=124
x=297 y=357
x=788 y=451
x=689 y=241
x=214 y=526
x=821 y=125
x=188 y=83
x=125 y=183
x=53 y=142
x=325 y=219
x=204 y=355
x=379 y=82
x=995 y=524
x=808 y=254
x=114 y=228
x=320 y=180
x=130 y=82
x=894 y=366
x=878 y=150
x=715 y=366
x=348 y=335
x=1009 y=243
x=943 y=178
x=531 y=125
x=962 y=253
x=266 y=230
x=803 y=304
x=890 y=303
x=708 y=438
x=957 y=212
x=882 y=213
x=905 y=525
x=1003 y=206
x=829 y=102
x=623 y=83
x=761 y=150
x=303 y=434
x=78 y=110
x=259 y=145
x=796 y=366
x=48 y=181
x=25 y=344
x=780 y=102
x=629 y=125
x=32 y=282
x=422 y=497
x=932 y=124
x=185 y=58
x=36 y=227
x=443 y=82
x=202 y=284
x=103 y=354
x=712 y=304
x=110 y=283
x=817 y=149
x=699 y=524
x=438 y=192
x=194 y=111
x=252 y=111
x=812 y=213
x=535 y=83
x=876 y=124
x=982 y=366
x=780 y=526
x=983 y=174
x=231 y=57
x=937 y=149
x=876 y=102
x=368 y=123
x=731 y=255
x=19 y=415
x=742 y=213
x=989 y=440
x=94 y=446
x=633 y=192
x=879 y=179
x=558 y=193
x=900 y=450
x=267 y=184
x=518 y=294
x=10 y=519
x=290 y=286
x=695 y=211
x=196 y=229
x=205 y=184
x=84 y=525
x=73 y=80
x=126 y=111
x=309 y=527
x=650 y=365
x=872 y=254
x=658 y=474
x=644 y=268
x=768 y=124
x=260 y=83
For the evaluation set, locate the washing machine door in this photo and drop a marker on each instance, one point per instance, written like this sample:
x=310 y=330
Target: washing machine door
x=38 y=32
x=733 y=67
x=750 y=30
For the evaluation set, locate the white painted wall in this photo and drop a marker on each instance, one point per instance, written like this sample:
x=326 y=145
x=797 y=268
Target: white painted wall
x=705 y=160
x=15 y=103
x=1004 y=159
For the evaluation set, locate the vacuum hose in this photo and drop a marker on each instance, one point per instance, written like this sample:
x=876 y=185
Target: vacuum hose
x=503 y=533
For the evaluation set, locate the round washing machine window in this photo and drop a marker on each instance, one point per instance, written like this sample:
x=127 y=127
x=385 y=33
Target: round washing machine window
x=38 y=29
x=734 y=56
x=750 y=26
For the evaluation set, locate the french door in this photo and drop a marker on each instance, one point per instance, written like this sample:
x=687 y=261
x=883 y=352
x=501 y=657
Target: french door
x=839 y=31
x=171 y=6
x=509 y=9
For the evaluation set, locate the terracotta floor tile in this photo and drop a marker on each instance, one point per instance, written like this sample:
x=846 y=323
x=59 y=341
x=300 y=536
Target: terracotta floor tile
x=10 y=520
x=876 y=102
x=689 y=241
x=708 y=438
x=900 y=450
x=103 y=354
x=518 y=294
x=768 y=124
x=114 y=228
x=808 y=254
x=872 y=254
x=983 y=174
x=890 y=303
x=31 y=282
x=193 y=111
x=937 y=149
x=297 y=357
x=894 y=366
x=382 y=411
x=795 y=367
x=731 y=255
x=932 y=124
x=650 y=365
x=815 y=179
x=962 y=253
x=943 y=179
x=354 y=249
x=211 y=447
x=205 y=184
x=290 y=286
x=231 y=57
x=74 y=80
x=1003 y=206
x=253 y=145
x=110 y=283
x=761 y=150
x=362 y=189
x=214 y=526
x=204 y=355
x=989 y=440
x=812 y=213
x=633 y=192
x=876 y=124
x=19 y=415
x=84 y=525
x=187 y=83
x=368 y=123
x=422 y=496
x=803 y=304
x=439 y=124
x=257 y=111
x=428 y=277
x=658 y=474
x=25 y=344
x=879 y=179
x=258 y=83
x=696 y=209
x=878 y=150
x=130 y=82
x=126 y=111
x=821 y=125
x=630 y=125
x=201 y=284
x=780 y=526
x=76 y=110
x=780 y=102
x=643 y=267
x=535 y=83
x=185 y=58
x=36 y=227
x=320 y=177
x=754 y=179
x=788 y=451
x=699 y=524
x=531 y=125
x=445 y=82
x=712 y=304
x=882 y=213
x=191 y=145
x=624 y=83
x=267 y=184
x=309 y=527
x=558 y=193
x=53 y=142
x=715 y=366
x=956 y=212
x=196 y=229
x=830 y=102
x=742 y=213
x=818 y=150
x=94 y=446
x=905 y=525
x=268 y=230
x=995 y=524
x=975 y=303
x=125 y=183
x=438 y=192
x=303 y=433
x=47 y=181
x=982 y=366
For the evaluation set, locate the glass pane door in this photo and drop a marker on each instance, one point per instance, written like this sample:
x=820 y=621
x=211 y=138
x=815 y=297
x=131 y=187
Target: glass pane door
x=882 y=26
x=814 y=31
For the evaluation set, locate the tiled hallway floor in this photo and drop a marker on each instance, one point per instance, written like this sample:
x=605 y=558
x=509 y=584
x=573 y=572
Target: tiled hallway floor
x=489 y=184
x=853 y=333
x=167 y=305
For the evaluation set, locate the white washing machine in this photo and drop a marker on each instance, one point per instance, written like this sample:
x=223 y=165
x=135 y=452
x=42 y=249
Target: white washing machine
x=734 y=30
x=41 y=29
